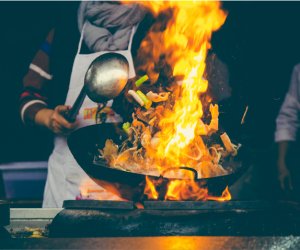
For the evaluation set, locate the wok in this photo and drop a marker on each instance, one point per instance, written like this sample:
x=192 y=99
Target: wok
x=84 y=143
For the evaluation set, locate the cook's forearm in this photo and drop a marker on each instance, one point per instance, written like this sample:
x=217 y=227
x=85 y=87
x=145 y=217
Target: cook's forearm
x=283 y=147
x=284 y=175
x=34 y=96
x=287 y=121
x=30 y=109
x=42 y=117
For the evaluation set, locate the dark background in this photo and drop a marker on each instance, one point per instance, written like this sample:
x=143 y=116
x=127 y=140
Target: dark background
x=259 y=42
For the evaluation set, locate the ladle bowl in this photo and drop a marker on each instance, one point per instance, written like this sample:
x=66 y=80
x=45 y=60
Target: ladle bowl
x=105 y=79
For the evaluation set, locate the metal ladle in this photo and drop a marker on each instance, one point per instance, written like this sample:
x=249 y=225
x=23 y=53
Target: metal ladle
x=105 y=78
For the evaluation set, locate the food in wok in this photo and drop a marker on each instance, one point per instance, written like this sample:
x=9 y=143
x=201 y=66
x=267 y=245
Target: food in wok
x=141 y=151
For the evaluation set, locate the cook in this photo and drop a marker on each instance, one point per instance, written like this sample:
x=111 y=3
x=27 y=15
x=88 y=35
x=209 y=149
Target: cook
x=51 y=85
x=287 y=124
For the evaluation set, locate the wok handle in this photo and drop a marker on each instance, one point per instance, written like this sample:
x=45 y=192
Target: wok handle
x=185 y=168
x=72 y=113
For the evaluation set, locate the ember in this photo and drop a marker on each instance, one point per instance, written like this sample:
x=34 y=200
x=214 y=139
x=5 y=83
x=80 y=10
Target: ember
x=169 y=127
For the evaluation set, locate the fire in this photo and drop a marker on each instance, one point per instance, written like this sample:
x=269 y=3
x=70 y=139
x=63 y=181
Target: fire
x=226 y=196
x=150 y=189
x=183 y=45
x=190 y=190
x=185 y=190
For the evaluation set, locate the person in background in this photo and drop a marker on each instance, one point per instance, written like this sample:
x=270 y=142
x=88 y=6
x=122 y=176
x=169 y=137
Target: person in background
x=287 y=124
x=55 y=78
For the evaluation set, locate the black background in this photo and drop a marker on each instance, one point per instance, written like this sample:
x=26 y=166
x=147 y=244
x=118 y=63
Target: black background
x=259 y=42
x=24 y=26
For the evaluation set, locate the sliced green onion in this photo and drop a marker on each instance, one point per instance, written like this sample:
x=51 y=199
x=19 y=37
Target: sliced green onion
x=140 y=81
x=147 y=102
x=126 y=127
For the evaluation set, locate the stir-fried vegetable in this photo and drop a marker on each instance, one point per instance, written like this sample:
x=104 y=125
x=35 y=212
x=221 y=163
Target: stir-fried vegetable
x=230 y=148
x=147 y=102
x=141 y=80
x=126 y=127
x=136 y=97
x=154 y=97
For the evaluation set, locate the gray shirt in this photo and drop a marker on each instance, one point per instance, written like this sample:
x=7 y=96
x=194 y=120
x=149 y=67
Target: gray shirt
x=287 y=121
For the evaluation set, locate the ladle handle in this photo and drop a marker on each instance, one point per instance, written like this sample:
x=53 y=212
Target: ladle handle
x=71 y=115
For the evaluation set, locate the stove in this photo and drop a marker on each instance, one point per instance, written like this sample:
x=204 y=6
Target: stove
x=120 y=225
x=180 y=218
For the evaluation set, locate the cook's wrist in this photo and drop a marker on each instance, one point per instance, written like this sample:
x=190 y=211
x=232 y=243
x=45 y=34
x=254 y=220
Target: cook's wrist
x=281 y=164
x=42 y=117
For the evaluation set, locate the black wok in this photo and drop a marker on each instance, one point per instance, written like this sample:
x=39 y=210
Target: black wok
x=84 y=142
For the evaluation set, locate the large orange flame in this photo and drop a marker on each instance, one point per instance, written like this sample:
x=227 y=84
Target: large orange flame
x=182 y=40
x=184 y=44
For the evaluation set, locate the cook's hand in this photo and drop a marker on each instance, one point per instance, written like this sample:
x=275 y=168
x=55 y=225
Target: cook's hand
x=54 y=120
x=284 y=176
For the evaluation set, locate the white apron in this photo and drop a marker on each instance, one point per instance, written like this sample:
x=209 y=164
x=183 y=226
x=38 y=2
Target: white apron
x=64 y=174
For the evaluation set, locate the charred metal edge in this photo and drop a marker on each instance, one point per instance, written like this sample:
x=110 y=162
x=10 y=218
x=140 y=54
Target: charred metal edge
x=218 y=205
x=94 y=204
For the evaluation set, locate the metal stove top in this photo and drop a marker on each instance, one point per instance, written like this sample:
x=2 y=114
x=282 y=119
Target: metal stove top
x=169 y=218
x=160 y=218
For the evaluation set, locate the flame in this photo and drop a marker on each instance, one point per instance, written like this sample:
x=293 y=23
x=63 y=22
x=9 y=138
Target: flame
x=179 y=42
x=150 y=190
x=185 y=190
x=226 y=196
x=183 y=44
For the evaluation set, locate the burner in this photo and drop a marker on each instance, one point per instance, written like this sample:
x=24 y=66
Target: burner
x=167 y=218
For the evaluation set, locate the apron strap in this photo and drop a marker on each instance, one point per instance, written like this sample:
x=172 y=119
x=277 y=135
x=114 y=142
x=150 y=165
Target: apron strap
x=81 y=38
x=134 y=28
